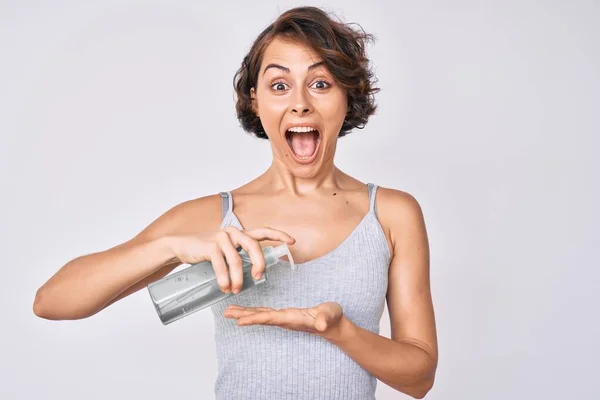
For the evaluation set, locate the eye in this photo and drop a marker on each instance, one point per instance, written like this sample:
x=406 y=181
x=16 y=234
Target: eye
x=279 y=86
x=321 y=84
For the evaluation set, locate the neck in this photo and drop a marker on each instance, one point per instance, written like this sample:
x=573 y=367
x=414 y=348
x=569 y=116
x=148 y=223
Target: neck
x=280 y=177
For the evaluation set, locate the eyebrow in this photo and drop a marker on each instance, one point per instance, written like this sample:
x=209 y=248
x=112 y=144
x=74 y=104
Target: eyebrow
x=287 y=70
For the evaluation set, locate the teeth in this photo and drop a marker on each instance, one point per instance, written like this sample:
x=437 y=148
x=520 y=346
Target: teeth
x=301 y=129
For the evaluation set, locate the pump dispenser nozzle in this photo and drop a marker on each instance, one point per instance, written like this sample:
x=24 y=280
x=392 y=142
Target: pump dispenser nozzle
x=278 y=252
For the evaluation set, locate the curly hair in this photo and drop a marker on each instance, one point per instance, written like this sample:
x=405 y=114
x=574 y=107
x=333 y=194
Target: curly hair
x=342 y=50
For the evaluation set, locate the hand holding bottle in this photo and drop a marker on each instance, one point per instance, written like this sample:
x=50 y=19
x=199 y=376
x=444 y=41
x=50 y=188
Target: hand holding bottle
x=221 y=249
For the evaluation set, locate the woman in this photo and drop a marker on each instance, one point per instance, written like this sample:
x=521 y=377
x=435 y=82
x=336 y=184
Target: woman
x=310 y=333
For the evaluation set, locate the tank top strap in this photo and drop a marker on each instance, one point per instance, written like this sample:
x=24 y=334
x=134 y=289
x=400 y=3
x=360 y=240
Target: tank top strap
x=372 y=195
x=226 y=203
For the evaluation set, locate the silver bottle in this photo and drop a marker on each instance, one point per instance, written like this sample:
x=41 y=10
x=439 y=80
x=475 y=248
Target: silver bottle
x=191 y=289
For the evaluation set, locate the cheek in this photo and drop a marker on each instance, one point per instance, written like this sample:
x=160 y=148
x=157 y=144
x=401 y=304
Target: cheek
x=334 y=111
x=271 y=109
x=336 y=105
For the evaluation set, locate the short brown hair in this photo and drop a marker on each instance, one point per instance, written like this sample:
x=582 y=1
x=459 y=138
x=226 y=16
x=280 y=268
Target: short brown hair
x=342 y=50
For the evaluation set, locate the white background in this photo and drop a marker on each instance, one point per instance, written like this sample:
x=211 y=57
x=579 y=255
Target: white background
x=111 y=112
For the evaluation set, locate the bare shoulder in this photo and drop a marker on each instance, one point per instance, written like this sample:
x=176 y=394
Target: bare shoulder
x=197 y=215
x=399 y=212
x=401 y=203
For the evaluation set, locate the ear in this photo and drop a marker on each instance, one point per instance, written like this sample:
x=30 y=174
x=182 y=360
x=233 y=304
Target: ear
x=253 y=100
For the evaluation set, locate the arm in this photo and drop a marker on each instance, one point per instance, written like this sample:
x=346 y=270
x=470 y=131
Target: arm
x=406 y=362
x=88 y=284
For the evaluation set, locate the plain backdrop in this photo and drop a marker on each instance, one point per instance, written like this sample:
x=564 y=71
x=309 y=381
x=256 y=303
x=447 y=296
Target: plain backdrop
x=111 y=112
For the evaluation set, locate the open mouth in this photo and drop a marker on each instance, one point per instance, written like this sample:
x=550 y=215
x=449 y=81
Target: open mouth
x=304 y=142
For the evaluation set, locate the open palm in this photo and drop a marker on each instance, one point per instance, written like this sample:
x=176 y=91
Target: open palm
x=319 y=319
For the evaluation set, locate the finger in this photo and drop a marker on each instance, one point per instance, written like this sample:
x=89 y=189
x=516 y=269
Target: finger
x=270 y=234
x=239 y=312
x=249 y=241
x=235 y=313
x=263 y=318
x=234 y=261
x=322 y=321
x=254 y=249
x=220 y=268
x=236 y=307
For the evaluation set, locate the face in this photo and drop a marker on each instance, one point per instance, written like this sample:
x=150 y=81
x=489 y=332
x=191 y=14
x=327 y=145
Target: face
x=300 y=106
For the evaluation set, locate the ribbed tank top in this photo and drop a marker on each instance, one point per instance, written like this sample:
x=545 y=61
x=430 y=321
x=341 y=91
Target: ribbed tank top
x=260 y=362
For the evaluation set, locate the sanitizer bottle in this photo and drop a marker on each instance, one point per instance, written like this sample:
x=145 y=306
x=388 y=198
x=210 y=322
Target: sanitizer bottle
x=191 y=289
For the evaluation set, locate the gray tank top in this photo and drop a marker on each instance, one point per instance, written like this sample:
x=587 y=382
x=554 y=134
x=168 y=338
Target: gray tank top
x=272 y=363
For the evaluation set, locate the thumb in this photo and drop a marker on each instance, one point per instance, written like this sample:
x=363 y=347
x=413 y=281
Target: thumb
x=322 y=321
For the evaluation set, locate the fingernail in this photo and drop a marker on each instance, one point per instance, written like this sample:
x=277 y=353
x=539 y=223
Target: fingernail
x=257 y=276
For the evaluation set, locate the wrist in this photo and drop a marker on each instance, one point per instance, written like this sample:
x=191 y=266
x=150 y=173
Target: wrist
x=344 y=331
x=165 y=245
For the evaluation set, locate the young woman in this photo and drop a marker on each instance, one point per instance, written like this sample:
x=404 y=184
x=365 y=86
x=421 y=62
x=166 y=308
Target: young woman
x=310 y=333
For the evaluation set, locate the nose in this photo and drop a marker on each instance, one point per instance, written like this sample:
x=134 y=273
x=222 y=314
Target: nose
x=300 y=103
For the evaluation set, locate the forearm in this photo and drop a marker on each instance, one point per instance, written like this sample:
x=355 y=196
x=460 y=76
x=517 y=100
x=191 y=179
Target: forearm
x=401 y=365
x=86 y=284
